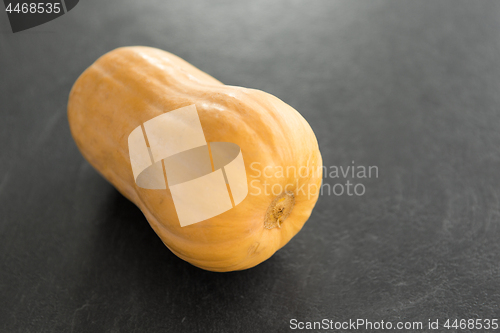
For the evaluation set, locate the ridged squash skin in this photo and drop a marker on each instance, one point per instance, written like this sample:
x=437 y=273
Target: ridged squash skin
x=130 y=85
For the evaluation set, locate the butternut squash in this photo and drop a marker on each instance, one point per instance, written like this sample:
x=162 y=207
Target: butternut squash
x=131 y=85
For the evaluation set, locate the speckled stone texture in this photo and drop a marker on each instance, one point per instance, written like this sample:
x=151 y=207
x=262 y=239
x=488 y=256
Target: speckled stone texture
x=411 y=87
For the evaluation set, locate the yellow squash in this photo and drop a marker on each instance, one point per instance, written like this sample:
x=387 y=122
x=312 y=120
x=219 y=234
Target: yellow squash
x=131 y=85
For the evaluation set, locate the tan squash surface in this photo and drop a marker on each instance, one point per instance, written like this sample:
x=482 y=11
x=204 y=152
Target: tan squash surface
x=131 y=85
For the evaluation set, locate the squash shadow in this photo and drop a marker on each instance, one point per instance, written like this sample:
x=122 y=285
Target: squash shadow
x=130 y=272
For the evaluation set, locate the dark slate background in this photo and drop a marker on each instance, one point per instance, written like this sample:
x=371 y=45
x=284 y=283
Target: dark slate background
x=411 y=87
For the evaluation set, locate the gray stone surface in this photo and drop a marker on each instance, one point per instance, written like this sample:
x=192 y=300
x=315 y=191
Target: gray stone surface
x=411 y=87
